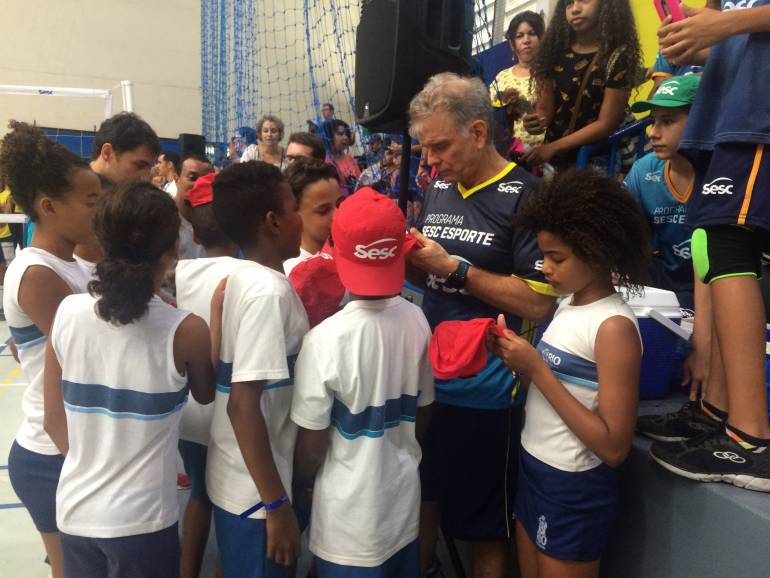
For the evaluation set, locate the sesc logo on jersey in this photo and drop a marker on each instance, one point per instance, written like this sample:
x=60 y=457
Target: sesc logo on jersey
x=512 y=187
x=442 y=185
x=720 y=186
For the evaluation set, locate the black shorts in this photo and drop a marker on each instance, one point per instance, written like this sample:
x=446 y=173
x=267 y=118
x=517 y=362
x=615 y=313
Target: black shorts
x=470 y=467
x=732 y=186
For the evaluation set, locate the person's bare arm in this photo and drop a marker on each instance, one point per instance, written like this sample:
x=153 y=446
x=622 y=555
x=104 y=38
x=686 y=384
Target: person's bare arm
x=611 y=116
x=54 y=418
x=421 y=422
x=696 y=367
x=506 y=292
x=309 y=454
x=684 y=41
x=40 y=293
x=545 y=108
x=245 y=413
x=192 y=349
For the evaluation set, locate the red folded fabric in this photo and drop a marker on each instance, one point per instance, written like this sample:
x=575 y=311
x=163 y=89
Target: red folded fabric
x=458 y=348
x=318 y=285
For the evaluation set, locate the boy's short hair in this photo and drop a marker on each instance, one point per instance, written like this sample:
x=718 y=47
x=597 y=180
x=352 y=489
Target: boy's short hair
x=206 y=228
x=314 y=143
x=243 y=194
x=174 y=159
x=304 y=172
x=125 y=131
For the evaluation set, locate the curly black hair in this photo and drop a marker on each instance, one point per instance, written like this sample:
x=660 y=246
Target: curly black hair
x=600 y=221
x=33 y=165
x=617 y=29
x=135 y=225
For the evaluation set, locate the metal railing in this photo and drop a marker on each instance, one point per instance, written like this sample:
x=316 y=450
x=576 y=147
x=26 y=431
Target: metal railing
x=612 y=144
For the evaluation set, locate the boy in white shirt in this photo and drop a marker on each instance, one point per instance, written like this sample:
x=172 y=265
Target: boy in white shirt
x=196 y=282
x=249 y=465
x=362 y=386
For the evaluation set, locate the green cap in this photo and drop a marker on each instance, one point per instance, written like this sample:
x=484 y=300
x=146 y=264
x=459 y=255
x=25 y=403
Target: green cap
x=672 y=92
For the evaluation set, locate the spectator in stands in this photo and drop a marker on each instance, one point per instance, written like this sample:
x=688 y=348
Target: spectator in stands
x=267 y=148
x=340 y=138
x=327 y=111
x=376 y=149
x=512 y=88
x=304 y=144
x=588 y=63
x=662 y=183
x=193 y=167
x=316 y=186
x=383 y=175
x=169 y=165
x=125 y=149
x=475 y=262
x=725 y=139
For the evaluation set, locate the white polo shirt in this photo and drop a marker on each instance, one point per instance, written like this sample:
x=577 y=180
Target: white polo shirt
x=363 y=372
x=196 y=280
x=263 y=323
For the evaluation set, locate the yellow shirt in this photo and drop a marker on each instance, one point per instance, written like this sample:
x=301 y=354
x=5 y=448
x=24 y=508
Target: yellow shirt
x=505 y=80
x=5 y=230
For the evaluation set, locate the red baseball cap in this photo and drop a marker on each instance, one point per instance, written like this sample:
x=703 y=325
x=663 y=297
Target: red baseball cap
x=368 y=231
x=458 y=348
x=318 y=285
x=201 y=192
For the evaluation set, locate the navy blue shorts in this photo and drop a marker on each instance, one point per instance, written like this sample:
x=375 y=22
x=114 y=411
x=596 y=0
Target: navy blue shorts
x=403 y=564
x=732 y=186
x=243 y=547
x=140 y=556
x=567 y=515
x=194 y=459
x=34 y=478
x=469 y=467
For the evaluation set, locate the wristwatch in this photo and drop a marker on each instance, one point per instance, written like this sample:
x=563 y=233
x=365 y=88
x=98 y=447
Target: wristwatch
x=459 y=277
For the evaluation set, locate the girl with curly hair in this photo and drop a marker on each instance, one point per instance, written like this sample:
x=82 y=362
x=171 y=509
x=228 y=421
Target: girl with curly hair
x=588 y=62
x=584 y=374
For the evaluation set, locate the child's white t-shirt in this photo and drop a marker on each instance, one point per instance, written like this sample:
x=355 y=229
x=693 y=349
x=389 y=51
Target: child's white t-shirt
x=196 y=280
x=263 y=322
x=30 y=341
x=567 y=347
x=363 y=372
x=123 y=397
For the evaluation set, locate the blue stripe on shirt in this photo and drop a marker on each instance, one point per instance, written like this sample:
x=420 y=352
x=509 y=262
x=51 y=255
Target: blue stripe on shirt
x=569 y=367
x=27 y=336
x=121 y=403
x=375 y=419
x=225 y=376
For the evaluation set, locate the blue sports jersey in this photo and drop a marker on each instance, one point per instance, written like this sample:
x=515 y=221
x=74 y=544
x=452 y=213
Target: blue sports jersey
x=476 y=226
x=732 y=103
x=664 y=67
x=648 y=182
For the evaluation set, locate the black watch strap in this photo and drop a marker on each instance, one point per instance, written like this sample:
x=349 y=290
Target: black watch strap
x=459 y=277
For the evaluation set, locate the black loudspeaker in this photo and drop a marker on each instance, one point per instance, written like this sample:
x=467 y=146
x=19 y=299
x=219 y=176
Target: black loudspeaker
x=400 y=44
x=191 y=144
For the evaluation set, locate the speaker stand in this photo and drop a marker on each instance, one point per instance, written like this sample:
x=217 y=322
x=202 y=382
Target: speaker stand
x=404 y=194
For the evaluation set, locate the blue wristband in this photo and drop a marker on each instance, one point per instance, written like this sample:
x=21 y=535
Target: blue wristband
x=268 y=507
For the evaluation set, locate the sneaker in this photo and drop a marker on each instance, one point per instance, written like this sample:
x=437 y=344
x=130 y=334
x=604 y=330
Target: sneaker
x=716 y=457
x=690 y=421
x=183 y=482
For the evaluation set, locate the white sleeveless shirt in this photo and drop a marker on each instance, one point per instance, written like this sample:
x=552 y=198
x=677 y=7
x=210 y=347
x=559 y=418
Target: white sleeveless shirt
x=123 y=397
x=30 y=341
x=567 y=347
